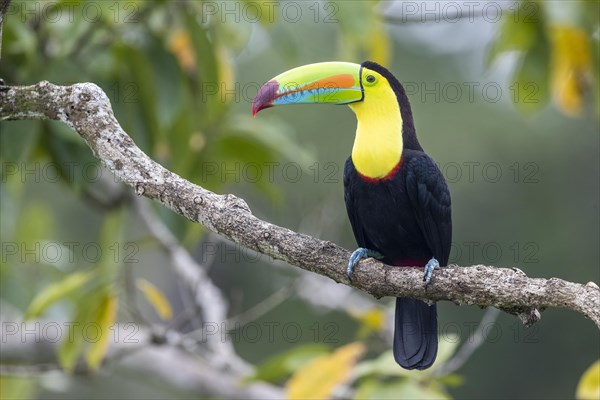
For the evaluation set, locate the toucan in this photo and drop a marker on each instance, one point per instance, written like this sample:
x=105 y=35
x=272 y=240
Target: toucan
x=396 y=197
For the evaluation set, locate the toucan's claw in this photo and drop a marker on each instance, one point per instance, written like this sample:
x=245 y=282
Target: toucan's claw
x=357 y=255
x=431 y=265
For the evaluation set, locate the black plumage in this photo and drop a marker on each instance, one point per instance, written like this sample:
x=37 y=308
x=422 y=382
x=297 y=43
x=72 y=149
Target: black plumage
x=405 y=217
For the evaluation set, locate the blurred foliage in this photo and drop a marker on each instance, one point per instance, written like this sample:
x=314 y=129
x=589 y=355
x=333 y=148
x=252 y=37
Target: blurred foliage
x=380 y=378
x=155 y=297
x=371 y=321
x=318 y=378
x=17 y=388
x=93 y=294
x=170 y=79
x=589 y=384
x=363 y=33
x=172 y=72
x=283 y=365
x=557 y=42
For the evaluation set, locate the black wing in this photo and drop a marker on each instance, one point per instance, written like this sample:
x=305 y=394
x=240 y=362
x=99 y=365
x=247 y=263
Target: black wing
x=349 y=180
x=430 y=200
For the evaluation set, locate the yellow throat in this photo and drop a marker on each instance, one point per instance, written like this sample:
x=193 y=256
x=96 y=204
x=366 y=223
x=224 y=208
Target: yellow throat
x=378 y=143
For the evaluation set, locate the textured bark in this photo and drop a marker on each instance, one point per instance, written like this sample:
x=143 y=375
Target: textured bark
x=86 y=108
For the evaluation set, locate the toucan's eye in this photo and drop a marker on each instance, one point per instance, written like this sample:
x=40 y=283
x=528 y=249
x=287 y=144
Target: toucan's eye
x=370 y=78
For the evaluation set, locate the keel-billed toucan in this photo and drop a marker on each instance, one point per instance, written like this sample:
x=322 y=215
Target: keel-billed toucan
x=396 y=197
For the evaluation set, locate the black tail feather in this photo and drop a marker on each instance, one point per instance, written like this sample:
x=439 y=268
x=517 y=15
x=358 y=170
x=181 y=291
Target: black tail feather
x=415 y=333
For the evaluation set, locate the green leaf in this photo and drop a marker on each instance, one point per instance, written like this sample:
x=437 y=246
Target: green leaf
x=104 y=319
x=140 y=72
x=155 y=297
x=517 y=32
x=69 y=155
x=571 y=67
x=404 y=389
x=589 y=384
x=17 y=140
x=69 y=351
x=15 y=388
x=243 y=148
x=95 y=314
x=372 y=320
x=238 y=158
x=530 y=92
x=209 y=97
x=36 y=224
x=280 y=366
x=57 y=291
x=320 y=377
x=385 y=364
x=168 y=81
x=363 y=33
x=21 y=44
x=452 y=380
x=186 y=144
x=81 y=329
x=274 y=134
x=110 y=239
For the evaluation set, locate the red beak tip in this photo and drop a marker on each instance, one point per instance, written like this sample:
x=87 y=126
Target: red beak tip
x=255 y=109
x=264 y=97
x=258 y=107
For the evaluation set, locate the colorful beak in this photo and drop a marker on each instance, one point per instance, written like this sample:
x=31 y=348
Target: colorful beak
x=324 y=83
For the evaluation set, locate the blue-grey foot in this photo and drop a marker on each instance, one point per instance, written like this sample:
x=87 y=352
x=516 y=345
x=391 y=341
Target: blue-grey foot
x=358 y=255
x=429 y=267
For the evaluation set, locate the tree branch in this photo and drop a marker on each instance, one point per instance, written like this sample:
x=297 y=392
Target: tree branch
x=475 y=340
x=86 y=108
x=131 y=355
x=207 y=295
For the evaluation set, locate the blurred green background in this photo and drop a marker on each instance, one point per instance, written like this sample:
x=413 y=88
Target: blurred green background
x=505 y=99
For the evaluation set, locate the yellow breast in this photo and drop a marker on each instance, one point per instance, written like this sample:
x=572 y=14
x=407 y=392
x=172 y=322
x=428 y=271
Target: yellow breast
x=378 y=143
